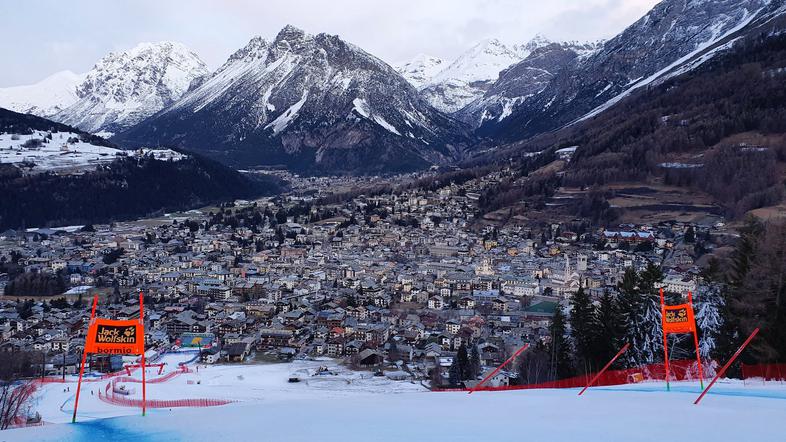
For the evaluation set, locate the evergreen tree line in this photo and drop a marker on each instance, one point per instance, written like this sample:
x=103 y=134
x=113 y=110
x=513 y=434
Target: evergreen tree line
x=584 y=340
x=755 y=294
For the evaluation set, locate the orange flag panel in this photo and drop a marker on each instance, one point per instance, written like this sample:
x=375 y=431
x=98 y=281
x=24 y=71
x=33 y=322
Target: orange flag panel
x=115 y=337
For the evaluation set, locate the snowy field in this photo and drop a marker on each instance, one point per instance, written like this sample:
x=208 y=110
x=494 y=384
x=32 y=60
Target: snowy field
x=58 y=155
x=348 y=406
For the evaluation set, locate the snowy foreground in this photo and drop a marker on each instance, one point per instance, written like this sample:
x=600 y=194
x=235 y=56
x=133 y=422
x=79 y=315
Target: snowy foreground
x=350 y=406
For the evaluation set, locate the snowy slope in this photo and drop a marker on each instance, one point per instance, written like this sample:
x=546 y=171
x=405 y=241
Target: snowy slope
x=45 y=98
x=67 y=152
x=309 y=102
x=470 y=75
x=524 y=80
x=421 y=69
x=672 y=33
x=359 y=407
x=126 y=87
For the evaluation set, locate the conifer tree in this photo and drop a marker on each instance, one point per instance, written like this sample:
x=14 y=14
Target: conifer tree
x=583 y=328
x=474 y=361
x=559 y=348
x=608 y=339
x=464 y=368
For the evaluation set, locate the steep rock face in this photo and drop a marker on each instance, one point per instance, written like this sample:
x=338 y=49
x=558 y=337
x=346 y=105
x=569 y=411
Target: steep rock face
x=125 y=88
x=313 y=103
x=670 y=34
x=45 y=98
x=524 y=80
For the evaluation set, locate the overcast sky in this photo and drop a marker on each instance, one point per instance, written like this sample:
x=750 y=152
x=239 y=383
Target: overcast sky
x=40 y=37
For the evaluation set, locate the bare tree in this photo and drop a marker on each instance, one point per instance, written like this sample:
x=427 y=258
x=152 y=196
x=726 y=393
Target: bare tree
x=14 y=398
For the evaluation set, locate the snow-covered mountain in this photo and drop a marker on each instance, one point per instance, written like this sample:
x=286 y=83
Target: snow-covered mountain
x=421 y=69
x=126 y=87
x=312 y=103
x=45 y=98
x=671 y=35
x=524 y=80
x=473 y=72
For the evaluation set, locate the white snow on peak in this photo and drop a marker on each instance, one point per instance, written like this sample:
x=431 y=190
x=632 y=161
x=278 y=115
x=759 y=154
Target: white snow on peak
x=684 y=63
x=45 y=98
x=482 y=62
x=125 y=87
x=473 y=72
x=421 y=69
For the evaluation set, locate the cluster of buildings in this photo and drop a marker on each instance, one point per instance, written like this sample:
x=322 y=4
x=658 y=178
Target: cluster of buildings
x=401 y=279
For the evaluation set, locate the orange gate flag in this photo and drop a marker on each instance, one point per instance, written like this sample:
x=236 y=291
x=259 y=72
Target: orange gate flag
x=115 y=337
x=679 y=319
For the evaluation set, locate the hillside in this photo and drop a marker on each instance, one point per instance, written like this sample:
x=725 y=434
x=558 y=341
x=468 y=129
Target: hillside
x=101 y=183
x=710 y=141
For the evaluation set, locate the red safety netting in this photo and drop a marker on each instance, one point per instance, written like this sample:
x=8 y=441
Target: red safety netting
x=109 y=396
x=103 y=377
x=685 y=370
x=768 y=372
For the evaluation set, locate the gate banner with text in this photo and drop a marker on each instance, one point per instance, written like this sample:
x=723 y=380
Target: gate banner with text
x=678 y=319
x=115 y=337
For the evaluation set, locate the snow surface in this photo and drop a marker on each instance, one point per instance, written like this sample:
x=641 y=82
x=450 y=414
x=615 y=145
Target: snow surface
x=421 y=69
x=57 y=155
x=45 y=98
x=350 y=405
x=61 y=156
x=274 y=410
x=126 y=87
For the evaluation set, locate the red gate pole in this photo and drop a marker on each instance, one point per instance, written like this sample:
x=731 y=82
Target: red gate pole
x=84 y=359
x=665 y=340
x=619 y=353
x=518 y=352
x=142 y=320
x=696 y=343
x=726 y=367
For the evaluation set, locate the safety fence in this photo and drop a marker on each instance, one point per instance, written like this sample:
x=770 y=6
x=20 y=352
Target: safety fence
x=767 y=372
x=103 y=377
x=181 y=370
x=109 y=396
x=686 y=370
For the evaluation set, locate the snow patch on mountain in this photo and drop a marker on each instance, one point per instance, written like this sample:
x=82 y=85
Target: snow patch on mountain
x=421 y=69
x=126 y=87
x=45 y=98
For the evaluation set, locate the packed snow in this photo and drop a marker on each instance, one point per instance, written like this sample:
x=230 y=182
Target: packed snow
x=344 y=405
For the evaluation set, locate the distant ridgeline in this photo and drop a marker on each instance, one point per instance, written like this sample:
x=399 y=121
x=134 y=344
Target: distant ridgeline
x=125 y=188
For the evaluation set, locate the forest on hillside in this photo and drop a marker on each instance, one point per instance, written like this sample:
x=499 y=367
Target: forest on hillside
x=126 y=188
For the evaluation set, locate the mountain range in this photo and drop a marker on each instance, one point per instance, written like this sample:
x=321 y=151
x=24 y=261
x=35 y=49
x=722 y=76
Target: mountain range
x=319 y=104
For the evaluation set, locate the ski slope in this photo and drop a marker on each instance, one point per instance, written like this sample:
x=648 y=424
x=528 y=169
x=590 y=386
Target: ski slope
x=350 y=405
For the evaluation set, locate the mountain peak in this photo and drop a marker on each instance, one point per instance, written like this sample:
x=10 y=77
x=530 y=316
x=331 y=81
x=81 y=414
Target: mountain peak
x=126 y=87
x=290 y=33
